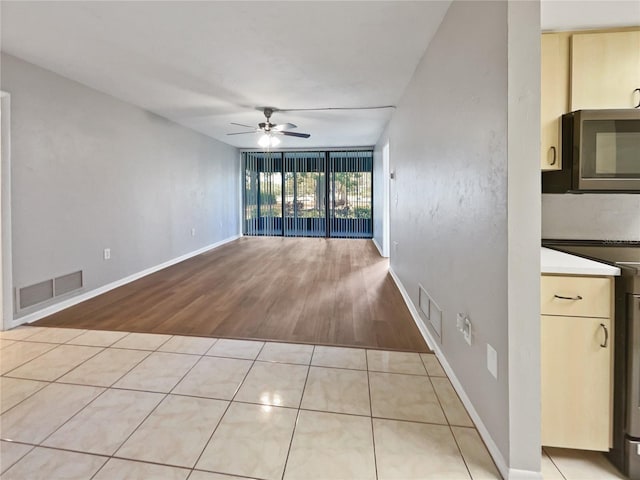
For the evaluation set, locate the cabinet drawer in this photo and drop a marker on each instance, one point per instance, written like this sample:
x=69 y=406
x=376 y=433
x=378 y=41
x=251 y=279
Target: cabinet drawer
x=576 y=296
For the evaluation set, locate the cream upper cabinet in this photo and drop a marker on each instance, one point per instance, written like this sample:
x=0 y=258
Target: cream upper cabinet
x=605 y=70
x=554 y=97
x=577 y=361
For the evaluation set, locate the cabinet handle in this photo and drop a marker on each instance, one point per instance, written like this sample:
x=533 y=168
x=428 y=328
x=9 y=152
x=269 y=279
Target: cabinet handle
x=606 y=335
x=555 y=156
x=634 y=92
x=577 y=297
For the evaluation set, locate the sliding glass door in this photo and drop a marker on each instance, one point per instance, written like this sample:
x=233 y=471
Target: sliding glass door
x=309 y=194
x=350 y=202
x=305 y=190
x=263 y=194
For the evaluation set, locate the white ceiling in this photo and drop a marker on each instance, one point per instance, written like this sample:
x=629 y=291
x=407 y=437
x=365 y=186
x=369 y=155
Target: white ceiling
x=208 y=63
x=205 y=64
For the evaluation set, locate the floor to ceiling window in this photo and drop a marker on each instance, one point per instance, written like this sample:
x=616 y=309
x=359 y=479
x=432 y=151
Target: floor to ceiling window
x=308 y=194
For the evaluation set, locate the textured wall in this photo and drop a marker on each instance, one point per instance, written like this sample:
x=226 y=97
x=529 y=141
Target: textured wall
x=91 y=172
x=465 y=168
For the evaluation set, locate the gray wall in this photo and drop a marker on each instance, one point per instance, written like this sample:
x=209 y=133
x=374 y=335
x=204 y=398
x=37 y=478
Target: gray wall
x=91 y=172
x=451 y=139
x=591 y=216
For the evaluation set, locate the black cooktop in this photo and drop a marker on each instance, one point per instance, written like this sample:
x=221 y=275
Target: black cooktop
x=624 y=254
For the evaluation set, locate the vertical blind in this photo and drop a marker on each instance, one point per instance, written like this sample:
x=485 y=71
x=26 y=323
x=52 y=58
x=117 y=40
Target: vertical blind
x=309 y=194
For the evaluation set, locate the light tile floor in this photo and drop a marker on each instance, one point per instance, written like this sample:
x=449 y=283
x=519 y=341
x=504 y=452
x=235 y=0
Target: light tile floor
x=109 y=405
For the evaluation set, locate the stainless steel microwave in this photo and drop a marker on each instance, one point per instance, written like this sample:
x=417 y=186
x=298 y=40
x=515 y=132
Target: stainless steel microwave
x=600 y=153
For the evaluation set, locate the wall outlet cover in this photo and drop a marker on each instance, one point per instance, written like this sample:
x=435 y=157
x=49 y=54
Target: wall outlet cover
x=492 y=361
x=107 y=253
x=466 y=330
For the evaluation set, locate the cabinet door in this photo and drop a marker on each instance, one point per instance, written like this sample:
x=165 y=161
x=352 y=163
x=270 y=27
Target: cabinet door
x=554 y=96
x=576 y=382
x=605 y=70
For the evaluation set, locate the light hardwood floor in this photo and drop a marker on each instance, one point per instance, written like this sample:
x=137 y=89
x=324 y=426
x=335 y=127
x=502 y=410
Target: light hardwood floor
x=308 y=290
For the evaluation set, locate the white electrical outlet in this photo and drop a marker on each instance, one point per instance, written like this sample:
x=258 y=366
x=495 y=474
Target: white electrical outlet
x=460 y=321
x=466 y=330
x=107 y=253
x=193 y=232
x=492 y=361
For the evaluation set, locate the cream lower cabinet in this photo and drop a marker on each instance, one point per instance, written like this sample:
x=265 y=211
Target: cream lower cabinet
x=577 y=362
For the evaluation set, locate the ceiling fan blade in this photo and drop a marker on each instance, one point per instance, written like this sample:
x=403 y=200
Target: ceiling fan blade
x=282 y=126
x=295 y=134
x=242 y=125
x=241 y=133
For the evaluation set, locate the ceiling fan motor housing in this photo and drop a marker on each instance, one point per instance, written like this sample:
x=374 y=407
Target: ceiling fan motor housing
x=268 y=127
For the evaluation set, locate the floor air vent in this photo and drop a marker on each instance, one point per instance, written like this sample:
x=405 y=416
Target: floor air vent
x=48 y=289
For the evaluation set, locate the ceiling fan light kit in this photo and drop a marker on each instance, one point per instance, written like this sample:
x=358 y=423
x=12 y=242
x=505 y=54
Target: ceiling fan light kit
x=268 y=140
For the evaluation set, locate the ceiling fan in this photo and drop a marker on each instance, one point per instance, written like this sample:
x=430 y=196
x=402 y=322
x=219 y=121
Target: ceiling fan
x=269 y=129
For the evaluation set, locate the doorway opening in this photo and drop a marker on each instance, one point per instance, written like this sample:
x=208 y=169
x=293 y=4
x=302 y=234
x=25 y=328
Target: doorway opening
x=308 y=194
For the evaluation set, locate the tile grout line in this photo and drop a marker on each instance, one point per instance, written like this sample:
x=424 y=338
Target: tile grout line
x=106 y=389
x=554 y=463
x=373 y=433
x=228 y=406
x=50 y=382
x=255 y=360
x=21 y=327
x=295 y=424
x=2 y=472
x=455 y=440
x=55 y=345
x=8 y=374
x=464 y=460
x=115 y=453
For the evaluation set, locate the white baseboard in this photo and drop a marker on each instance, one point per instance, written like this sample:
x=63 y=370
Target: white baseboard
x=51 y=309
x=494 y=451
x=414 y=311
x=375 y=242
x=515 y=474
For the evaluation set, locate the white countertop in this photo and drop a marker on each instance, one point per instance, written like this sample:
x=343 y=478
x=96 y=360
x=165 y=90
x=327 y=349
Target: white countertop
x=553 y=261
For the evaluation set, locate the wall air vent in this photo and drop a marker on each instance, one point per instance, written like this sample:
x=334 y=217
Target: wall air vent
x=423 y=301
x=48 y=289
x=33 y=294
x=430 y=312
x=67 y=283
